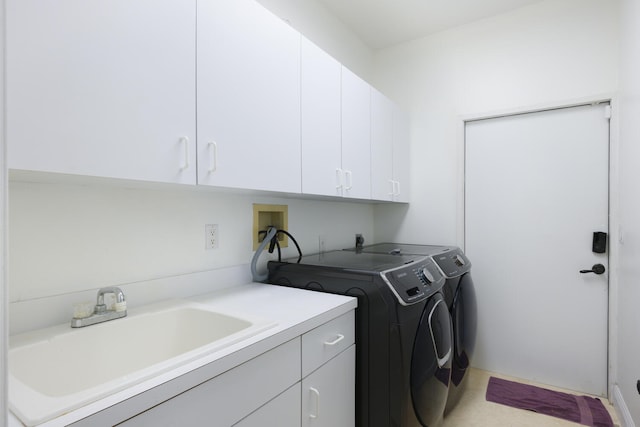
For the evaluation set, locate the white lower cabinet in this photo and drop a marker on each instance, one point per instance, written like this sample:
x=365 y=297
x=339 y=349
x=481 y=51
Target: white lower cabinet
x=226 y=399
x=308 y=381
x=328 y=374
x=328 y=393
x=283 y=411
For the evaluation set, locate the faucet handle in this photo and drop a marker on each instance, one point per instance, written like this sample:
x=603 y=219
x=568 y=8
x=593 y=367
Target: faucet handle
x=120 y=306
x=83 y=310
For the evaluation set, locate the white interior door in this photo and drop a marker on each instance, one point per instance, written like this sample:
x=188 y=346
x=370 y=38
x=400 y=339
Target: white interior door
x=536 y=188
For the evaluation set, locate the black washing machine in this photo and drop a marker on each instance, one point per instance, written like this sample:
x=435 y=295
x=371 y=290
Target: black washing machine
x=459 y=294
x=403 y=330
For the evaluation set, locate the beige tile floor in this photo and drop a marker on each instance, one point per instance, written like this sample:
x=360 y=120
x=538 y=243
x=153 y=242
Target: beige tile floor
x=473 y=410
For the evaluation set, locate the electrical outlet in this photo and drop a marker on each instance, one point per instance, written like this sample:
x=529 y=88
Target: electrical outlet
x=210 y=236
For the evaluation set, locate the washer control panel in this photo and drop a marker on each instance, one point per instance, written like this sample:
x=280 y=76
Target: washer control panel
x=453 y=263
x=426 y=276
x=414 y=282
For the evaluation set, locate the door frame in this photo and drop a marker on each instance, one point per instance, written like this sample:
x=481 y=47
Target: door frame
x=615 y=233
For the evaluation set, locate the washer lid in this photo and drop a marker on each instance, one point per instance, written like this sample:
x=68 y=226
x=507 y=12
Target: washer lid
x=360 y=262
x=403 y=249
x=451 y=259
x=411 y=278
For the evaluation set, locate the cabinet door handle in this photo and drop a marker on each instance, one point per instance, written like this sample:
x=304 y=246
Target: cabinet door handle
x=338 y=178
x=316 y=393
x=348 y=180
x=397 y=188
x=339 y=338
x=213 y=160
x=393 y=187
x=185 y=145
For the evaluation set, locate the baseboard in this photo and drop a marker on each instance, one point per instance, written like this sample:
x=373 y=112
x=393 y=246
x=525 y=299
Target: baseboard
x=621 y=407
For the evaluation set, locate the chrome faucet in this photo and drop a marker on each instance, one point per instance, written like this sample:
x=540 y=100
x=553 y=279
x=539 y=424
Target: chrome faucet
x=100 y=313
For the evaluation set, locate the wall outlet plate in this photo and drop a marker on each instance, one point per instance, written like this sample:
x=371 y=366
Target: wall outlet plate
x=210 y=236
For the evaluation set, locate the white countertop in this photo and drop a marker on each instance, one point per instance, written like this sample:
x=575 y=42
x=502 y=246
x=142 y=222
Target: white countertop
x=295 y=311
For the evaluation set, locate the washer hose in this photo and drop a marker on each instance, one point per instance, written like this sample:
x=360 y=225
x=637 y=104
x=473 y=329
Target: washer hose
x=271 y=232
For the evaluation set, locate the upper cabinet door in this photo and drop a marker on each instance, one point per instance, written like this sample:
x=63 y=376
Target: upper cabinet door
x=401 y=155
x=389 y=150
x=383 y=185
x=321 y=117
x=248 y=102
x=356 y=135
x=102 y=88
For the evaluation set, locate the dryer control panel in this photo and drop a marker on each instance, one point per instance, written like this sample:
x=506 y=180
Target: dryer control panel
x=453 y=263
x=414 y=282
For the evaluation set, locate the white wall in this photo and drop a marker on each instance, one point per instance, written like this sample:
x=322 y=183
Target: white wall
x=67 y=238
x=628 y=361
x=546 y=53
x=317 y=24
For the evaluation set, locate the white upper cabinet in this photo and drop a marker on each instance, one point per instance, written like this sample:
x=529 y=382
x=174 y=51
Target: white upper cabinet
x=103 y=88
x=382 y=182
x=401 y=155
x=389 y=150
x=321 y=122
x=248 y=97
x=356 y=136
x=211 y=92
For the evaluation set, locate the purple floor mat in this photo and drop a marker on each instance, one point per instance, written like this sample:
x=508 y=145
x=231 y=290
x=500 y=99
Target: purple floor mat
x=585 y=410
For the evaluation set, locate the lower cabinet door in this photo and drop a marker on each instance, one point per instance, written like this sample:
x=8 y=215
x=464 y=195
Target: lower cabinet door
x=328 y=394
x=228 y=398
x=282 y=411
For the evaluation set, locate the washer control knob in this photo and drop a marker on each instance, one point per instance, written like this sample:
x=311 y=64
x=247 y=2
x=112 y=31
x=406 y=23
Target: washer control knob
x=426 y=275
x=459 y=261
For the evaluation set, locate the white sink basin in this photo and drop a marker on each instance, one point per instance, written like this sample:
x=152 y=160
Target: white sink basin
x=60 y=369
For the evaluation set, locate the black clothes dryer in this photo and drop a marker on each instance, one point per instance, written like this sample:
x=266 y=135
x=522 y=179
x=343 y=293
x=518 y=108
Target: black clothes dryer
x=403 y=331
x=460 y=296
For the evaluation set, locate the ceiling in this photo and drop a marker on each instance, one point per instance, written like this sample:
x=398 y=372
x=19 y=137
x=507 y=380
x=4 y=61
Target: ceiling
x=383 y=23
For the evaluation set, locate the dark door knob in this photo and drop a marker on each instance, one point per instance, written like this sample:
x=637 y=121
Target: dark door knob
x=597 y=269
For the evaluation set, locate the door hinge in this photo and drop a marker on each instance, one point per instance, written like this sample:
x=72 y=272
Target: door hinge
x=607 y=111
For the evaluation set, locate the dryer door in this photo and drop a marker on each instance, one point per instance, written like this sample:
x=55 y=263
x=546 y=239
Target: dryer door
x=464 y=317
x=464 y=313
x=431 y=362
